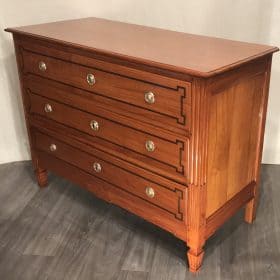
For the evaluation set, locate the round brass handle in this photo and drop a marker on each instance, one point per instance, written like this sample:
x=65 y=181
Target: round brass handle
x=150 y=97
x=94 y=125
x=90 y=79
x=150 y=146
x=42 y=66
x=52 y=147
x=150 y=192
x=48 y=108
x=97 y=167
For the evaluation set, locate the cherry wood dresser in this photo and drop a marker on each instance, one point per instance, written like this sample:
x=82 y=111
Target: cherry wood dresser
x=165 y=124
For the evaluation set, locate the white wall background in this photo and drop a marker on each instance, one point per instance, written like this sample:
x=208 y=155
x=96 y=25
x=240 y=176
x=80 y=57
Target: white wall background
x=247 y=20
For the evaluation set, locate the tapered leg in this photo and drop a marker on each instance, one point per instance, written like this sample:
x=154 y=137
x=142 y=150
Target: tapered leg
x=196 y=226
x=195 y=257
x=42 y=177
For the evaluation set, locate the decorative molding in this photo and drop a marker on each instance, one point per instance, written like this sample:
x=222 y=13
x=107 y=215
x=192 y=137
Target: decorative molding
x=196 y=206
x=198 y=141
x=181 y=199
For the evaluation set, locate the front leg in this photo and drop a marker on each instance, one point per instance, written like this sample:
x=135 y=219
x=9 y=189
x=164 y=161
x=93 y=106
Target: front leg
x=40 y=173
x=196 y=225
x=42 y=177
x=195 y=257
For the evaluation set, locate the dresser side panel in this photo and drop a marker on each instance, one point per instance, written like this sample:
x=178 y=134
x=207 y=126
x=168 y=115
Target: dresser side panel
x=25 y=101
x=236 y=112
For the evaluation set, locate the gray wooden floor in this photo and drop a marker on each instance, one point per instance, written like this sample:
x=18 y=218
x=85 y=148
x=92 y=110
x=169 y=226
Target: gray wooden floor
x=63 y=232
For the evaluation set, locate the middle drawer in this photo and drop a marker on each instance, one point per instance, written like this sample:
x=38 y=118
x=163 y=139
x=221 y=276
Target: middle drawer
x=171 y=153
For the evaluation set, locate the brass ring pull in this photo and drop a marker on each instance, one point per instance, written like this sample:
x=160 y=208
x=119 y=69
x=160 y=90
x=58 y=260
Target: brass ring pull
x=94 y=125
x=90 y=79
x=42 y=66
x=150 y=146
x=48 y=108
x=150 y=97
x=150 y=192
x=97 y=167
x=52 y=147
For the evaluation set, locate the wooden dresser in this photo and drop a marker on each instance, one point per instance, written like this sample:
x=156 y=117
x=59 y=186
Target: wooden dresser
x=165 y=124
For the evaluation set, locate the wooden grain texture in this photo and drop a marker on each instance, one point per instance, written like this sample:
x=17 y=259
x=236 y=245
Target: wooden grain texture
x=207 y=130
x=169 y=200
x=192 y=54
x=172 y=153
x=214 y=221
x=121 y=111
x=196 y=204
x=84 y=145
x=172 y=90
x=251 y=207
x=62 y=232
x=102 y=62
x=237 y=108
x=112 y=85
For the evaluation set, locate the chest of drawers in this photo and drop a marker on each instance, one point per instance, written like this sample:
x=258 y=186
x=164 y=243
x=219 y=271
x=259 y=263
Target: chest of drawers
x=164 y=124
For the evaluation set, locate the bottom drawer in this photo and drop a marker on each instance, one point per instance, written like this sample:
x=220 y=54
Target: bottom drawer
x=171 y=201
x=112 y=194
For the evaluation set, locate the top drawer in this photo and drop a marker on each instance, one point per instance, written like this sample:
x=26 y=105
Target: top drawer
x=169 y=97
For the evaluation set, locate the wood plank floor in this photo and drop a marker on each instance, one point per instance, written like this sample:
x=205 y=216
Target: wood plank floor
x=63 y=232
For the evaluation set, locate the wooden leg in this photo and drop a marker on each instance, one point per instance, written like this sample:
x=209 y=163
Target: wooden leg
x=251 y=207
x=195 y=257
x=250 y=211
x=196 y=226
x=42 y=177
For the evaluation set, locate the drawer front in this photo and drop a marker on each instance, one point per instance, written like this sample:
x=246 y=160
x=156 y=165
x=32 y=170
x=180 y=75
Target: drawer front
x=117 y=176
x=171 y=153
x=172 y=102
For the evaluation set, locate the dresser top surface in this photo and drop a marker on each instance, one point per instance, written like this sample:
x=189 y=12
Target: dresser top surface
x=176 y=51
